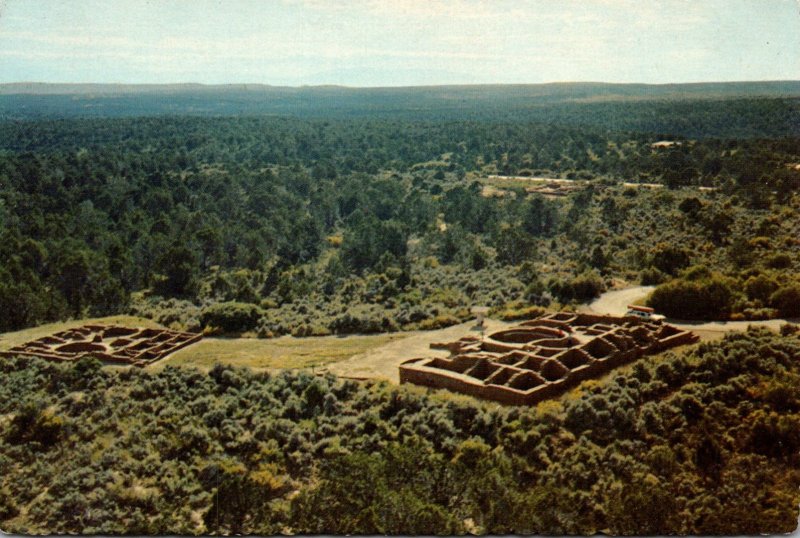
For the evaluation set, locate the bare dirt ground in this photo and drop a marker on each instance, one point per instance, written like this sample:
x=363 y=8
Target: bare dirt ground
x=616 y=302
x=382 y=362
x=537 y=179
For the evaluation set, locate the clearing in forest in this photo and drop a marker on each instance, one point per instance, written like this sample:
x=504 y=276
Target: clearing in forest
x=276 y=353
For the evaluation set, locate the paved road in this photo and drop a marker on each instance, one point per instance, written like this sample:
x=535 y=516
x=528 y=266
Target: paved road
x=616 y=303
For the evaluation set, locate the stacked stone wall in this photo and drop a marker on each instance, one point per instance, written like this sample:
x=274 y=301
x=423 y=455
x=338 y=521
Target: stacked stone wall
x=109 y=343
x=542 y=358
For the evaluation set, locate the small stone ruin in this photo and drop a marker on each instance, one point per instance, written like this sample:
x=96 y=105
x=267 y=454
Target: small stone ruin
x=542 y=358
x=109 y=343
x=555 y=188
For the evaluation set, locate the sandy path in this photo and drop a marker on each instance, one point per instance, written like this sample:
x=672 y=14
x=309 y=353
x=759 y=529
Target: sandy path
x=382 y=362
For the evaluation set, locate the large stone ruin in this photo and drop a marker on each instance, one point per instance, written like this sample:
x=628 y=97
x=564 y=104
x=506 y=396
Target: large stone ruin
x=541 y=358
x=109 y=343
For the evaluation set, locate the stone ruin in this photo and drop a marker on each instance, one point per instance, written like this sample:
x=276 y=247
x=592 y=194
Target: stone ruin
x=555 y=188
x=109 y=343
x=542 y=358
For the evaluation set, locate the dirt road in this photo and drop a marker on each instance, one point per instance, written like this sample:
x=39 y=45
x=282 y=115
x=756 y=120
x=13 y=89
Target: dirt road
x=382 y=362
x=616 y=303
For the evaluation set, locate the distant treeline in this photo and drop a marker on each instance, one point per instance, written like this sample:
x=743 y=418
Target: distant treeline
x=93 y=209
x=336 y=146
x=725 y=110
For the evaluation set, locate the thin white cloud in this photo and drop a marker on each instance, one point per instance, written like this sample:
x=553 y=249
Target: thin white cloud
x=496 y=40
x=420 y=9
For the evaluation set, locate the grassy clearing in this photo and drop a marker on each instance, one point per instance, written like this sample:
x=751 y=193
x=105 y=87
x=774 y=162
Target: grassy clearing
x=11 y=339
x=519 y=182
x=283 y=352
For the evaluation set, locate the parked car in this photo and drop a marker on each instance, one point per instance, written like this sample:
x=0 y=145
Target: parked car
x=644 y=312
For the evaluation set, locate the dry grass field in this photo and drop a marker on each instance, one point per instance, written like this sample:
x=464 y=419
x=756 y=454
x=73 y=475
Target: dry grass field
x=382 y=362
x=275 y=353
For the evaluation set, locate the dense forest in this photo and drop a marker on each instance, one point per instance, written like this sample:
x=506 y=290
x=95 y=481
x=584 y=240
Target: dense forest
x=726 y=110
x=703 y=443
x=277 y=225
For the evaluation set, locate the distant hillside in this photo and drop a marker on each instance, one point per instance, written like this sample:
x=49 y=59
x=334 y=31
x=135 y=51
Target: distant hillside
x=553 y=91
x=734 y=109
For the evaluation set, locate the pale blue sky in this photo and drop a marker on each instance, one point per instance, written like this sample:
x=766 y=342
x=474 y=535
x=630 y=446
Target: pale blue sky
x=398 y=42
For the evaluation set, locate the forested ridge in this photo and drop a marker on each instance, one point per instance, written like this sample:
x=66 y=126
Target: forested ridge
x=704 y=443
x=726 y=110
x=313 y=226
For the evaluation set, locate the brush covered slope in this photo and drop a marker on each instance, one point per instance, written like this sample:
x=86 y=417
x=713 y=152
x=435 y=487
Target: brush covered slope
x=702 y=443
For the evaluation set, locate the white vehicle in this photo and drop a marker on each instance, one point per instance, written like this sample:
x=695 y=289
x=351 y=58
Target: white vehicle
x=644 y=312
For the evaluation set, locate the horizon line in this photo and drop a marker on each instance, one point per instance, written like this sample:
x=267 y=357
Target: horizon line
x=389 y=86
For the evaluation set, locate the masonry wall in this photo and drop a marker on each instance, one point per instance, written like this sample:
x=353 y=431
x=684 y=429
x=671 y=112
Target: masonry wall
x=492 y=369
x=112 y=344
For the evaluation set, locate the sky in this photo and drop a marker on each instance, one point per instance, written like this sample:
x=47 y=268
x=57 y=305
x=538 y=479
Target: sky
x=398 y=42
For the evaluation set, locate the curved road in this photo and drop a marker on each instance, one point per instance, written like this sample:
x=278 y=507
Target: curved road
x=616 y=303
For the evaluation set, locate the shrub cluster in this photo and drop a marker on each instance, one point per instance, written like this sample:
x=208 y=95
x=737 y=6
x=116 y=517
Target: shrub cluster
x=705 y=295
x=231 y=316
